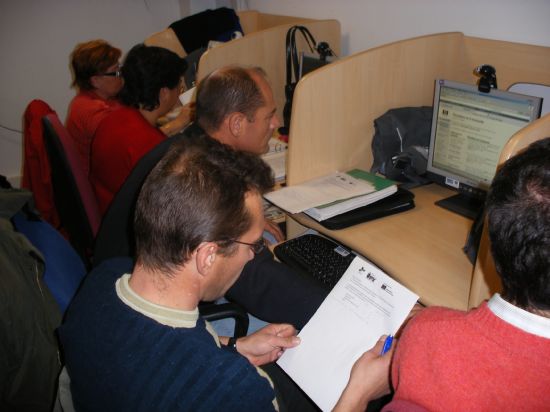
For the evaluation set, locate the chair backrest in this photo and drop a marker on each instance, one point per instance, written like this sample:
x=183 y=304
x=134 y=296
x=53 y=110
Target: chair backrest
x=63 y=267
x=116 y=233
x=167 y=39
x=534 y=89
x=485 y=280
x=82 y=182
x=73 y=195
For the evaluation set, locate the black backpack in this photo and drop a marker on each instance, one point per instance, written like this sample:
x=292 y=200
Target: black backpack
x=400 y=148
x=400 y=144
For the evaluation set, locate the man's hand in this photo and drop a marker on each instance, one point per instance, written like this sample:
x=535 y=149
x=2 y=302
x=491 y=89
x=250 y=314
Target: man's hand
x=369 y=379
x=267 y=344
x=275 y=230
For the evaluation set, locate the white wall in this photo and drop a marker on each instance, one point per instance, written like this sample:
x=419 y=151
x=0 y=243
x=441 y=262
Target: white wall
x=369 y=23
x=36 y=38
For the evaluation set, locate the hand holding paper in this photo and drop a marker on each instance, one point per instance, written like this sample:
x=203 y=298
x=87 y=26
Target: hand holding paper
x=267 y=344
x=364 y=305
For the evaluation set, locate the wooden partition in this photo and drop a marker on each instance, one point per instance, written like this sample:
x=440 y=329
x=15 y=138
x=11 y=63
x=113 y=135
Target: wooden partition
x=332 y=128
x=253 y=21
x=266 y=48
x=485 y=281
x=335 y=106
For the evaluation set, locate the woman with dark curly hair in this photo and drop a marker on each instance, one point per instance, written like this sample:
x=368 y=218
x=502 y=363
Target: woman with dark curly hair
x=152 y=83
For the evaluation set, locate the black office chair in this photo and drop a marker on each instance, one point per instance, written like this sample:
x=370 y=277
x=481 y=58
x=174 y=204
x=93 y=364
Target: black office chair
x=73 y=195
x=116 y=234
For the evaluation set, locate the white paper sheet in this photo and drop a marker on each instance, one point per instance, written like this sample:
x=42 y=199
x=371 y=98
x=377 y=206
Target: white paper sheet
x=364 y=305
x=186 y=96
x=326 y=189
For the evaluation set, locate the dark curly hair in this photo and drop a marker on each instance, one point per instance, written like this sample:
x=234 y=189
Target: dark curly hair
x=146 y=70
x=518 y=212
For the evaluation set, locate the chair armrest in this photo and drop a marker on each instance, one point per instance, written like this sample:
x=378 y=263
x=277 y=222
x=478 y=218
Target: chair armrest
x=213 y=311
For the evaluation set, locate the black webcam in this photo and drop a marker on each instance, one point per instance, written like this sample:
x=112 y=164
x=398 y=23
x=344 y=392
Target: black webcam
x=324 y=50
x=487 y=78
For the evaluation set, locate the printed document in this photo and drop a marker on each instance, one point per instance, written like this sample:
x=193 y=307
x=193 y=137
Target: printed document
x=364 y=305
x=326 y=189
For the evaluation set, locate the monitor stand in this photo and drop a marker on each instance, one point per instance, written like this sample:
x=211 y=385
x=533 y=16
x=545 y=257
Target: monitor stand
x=467 y=206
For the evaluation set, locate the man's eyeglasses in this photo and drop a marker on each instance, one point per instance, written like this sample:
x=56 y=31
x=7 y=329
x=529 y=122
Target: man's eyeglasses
x=256 y=247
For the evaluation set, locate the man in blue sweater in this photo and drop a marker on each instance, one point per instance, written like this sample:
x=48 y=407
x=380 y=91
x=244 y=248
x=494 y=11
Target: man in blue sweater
x=133 y=339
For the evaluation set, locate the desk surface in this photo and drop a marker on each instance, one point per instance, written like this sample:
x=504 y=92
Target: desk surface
x=421 y=248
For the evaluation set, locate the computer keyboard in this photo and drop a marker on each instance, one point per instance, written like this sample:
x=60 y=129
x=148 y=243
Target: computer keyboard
x=316 y=256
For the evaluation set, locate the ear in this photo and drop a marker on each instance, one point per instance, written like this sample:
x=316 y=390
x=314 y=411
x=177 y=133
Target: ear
x=163 y=94
x=236 y=122
x=205 y=257
x=94 y=81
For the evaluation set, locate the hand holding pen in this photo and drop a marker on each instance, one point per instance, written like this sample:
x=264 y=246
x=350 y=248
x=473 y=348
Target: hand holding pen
x=369 y=378
x=387 y=344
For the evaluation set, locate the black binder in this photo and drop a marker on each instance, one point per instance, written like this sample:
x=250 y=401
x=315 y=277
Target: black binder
x=398 y=202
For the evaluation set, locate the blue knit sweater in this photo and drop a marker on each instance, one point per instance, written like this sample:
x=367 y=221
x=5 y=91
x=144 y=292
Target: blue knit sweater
x=121 y=360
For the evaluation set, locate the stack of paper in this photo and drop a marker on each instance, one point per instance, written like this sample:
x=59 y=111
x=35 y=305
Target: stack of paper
x=333 y=194
x=382 y=188
x=364 y=305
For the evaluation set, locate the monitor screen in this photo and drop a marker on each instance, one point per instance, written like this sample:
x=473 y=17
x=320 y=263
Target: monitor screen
x=469 y=130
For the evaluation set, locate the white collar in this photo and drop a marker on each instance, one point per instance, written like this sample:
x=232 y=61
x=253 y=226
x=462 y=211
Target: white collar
x=167 y=316
x=526 y=321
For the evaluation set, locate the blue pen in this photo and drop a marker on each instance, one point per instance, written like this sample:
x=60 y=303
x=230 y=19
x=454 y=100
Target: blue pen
x=387 y=344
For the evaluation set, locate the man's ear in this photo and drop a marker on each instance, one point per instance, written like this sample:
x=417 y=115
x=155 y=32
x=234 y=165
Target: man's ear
x=206 y=256
x=236 y=123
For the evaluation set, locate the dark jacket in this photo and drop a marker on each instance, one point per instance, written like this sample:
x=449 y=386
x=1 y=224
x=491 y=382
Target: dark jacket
x=29 y=315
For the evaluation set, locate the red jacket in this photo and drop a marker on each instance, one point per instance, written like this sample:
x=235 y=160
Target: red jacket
x=36 y=166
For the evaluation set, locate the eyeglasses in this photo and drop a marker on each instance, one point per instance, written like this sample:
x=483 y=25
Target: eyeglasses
x=116 y=73
x=256 y=247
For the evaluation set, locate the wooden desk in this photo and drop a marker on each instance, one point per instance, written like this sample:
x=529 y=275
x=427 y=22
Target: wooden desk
x=421 y=248
x=333 y=115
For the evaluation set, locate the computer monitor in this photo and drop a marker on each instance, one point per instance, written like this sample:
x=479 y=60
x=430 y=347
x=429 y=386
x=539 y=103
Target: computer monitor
x=469 y=130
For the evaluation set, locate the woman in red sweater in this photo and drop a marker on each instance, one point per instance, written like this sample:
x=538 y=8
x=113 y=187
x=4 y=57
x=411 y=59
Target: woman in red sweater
x=152 y=83
x=98 y=78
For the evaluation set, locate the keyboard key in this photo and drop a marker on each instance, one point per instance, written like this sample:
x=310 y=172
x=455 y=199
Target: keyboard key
x=316 y=256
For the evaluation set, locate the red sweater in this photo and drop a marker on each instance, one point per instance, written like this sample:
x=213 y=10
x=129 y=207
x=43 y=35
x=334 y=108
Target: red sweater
x=121 y=139
x=86 y=111
x=449 y=360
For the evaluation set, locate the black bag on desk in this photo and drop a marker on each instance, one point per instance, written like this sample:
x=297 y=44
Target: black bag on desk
x=400 y=144
x=292 y=65
x=400 y=201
